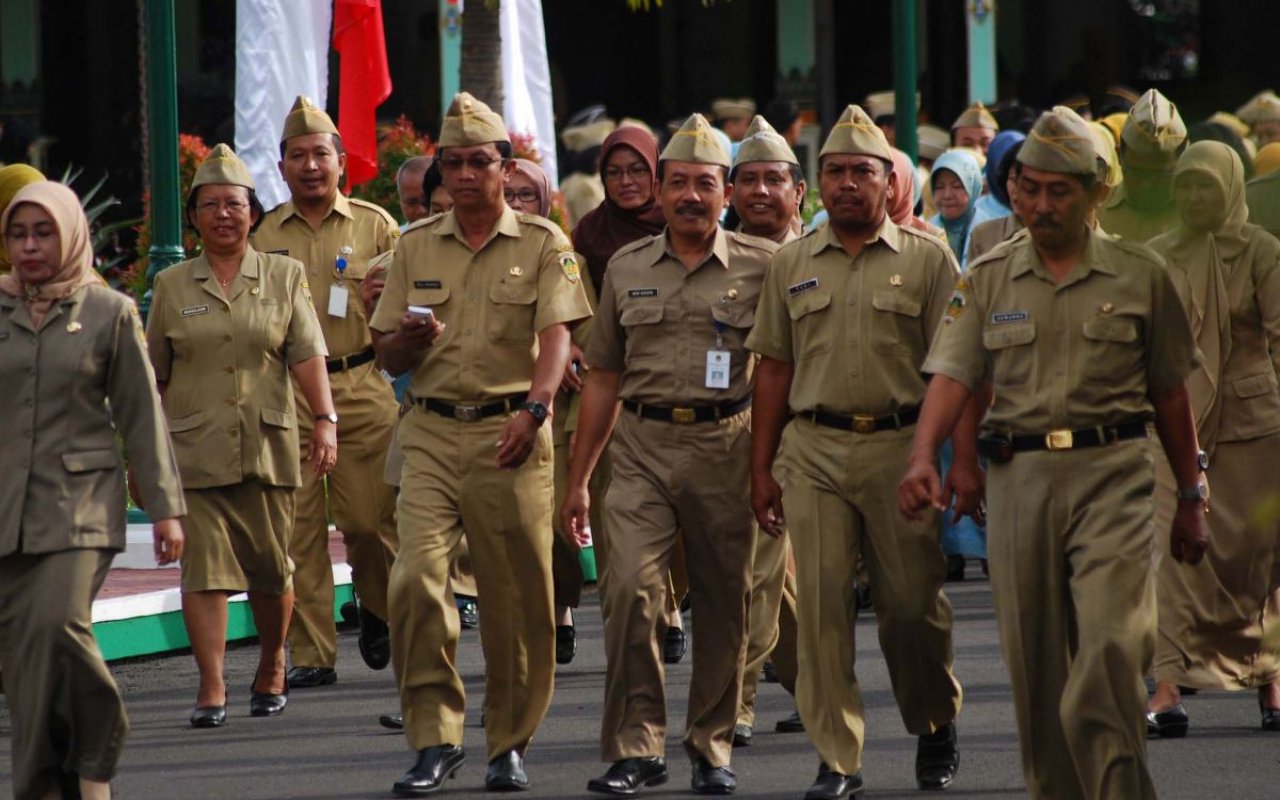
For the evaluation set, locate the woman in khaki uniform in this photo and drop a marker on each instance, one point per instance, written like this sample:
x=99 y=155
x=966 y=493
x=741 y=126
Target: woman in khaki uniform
x=226 y=330
x=75 y=372
x=1213 y=618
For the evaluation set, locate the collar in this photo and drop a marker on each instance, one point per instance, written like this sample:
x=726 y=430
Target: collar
x=1026 y=260
x=249 y=268
x=661 y=246
x=888 y=233
x=340 y=204
x=507 y=225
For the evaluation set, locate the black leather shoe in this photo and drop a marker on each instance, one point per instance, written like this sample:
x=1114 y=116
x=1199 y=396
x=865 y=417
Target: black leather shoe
x=393 y=722
x=834 y=785
x=628 y=776
x=674 y=646
x=713 y=780
x=862 y=596
x=348 y=616
x=427 y=776
x=1170 y=724
x=742 y=735
x=955 y=569
x=209 y=716
x=566 y=643
x=937 y=758
x=469 y=613
x=374 y=641
x=311 y=677
x=769 y=673
x=506 y=774
x=1271 y=719
x=791 y=724
x=262 y=704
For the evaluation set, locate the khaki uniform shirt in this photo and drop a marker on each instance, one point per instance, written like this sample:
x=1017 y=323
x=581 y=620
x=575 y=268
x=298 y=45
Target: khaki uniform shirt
x=657 y=320
x=1088 y=351
x=365 y=228
x=988 y=234
x=856 y=329
x=582 y=193
x=68 y=390
x=225 y=365
x=493 y=302
x=1263 y=198
x=1123 y=221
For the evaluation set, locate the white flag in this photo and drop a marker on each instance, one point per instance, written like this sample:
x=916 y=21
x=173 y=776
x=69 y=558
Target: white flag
x=526 y=78
x=282 y=51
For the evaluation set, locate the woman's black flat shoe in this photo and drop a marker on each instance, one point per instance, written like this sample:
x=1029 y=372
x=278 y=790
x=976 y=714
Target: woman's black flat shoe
x=1170 y=724
x=566 y=643
x=262 y=704
x=1270 y=719
x=209 y=717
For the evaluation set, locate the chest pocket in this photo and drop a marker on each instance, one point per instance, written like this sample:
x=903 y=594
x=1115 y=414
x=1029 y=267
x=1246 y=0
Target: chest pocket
x=511 y=309
x=1112 y=347
x=741 y=314
x=895 y=327
x=812 y=323
x=640 y=324
x=1012 y=356
x=432 y=298
x=356 y=270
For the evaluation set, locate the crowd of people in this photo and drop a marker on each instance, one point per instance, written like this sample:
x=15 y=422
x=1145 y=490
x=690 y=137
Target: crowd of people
x=1039 y=349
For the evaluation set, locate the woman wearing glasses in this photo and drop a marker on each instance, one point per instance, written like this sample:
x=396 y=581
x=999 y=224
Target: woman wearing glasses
x=226 y=330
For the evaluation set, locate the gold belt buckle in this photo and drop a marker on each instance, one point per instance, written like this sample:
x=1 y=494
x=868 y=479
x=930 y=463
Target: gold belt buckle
x=466 y=413
x=864 y=423
x=1059 y=440
x=684 y=416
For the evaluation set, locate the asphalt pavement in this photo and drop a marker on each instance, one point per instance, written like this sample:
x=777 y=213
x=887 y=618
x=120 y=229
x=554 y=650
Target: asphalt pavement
x=328 y=743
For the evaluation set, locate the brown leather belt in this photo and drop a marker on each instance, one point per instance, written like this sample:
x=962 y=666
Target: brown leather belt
x=347 y=362
x=863 y=423
x=471 y=413
x=689 y=414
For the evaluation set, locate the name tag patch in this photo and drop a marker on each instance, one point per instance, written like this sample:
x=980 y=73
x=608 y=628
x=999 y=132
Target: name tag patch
x=1003 y=317
x=802 y=287
x=284 y=252
x=428 y=285
x=642 y=293
x=194 y=310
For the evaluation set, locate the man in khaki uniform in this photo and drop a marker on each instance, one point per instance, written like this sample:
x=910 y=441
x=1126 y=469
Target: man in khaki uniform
x=675 y=310
x=1083 y=340
x=335 y=238
x=1153 y=137
x=843 y=325
x=768 y=188
x=503 y=289
x=582 y=188
x=975 y=127
x=733 y=115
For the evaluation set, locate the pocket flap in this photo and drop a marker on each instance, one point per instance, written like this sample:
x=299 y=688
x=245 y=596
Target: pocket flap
x=521 y=293
x=807 y=303
x=355 y=270
x=188 y=423
x=735 y=315
x=646 y=314
x=277 y=419
x=896 y=302
x=435 y=295
x=1254 y=385
x=89 y=460
x=1009 y=336
x=1111 y=329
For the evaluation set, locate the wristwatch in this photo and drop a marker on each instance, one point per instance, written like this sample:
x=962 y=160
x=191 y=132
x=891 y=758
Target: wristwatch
x=1202 y=460
x=332 y=417
x=536 y=410
x=1197 y=492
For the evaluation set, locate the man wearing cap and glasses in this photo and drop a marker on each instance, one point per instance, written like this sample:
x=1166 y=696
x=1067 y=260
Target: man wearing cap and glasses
x=1083 y=341
x=335 y=238
x=477 y=305
x=1141 y=208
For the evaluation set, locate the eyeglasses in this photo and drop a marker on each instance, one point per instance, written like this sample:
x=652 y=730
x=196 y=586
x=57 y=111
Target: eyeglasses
x=524 y=195
x=478 y=163
x=214 y=206
x=636 y=172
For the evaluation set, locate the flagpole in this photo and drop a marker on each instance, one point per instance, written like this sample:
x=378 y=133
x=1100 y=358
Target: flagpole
x=162 y=126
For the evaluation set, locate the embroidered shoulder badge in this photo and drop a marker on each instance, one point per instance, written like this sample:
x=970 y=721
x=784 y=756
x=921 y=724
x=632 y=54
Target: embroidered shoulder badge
x=569 y=266
x=959 y=299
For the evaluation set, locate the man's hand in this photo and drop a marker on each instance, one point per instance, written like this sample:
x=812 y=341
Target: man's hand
x=517 y=440
x=167 y=538
x=920 y=488
x=322 y=450
x=418 y=332
x=573 y=516
x=766 y=502
x=572 y=381
x=371 y=288
x=968 y=483
x=1190 y=535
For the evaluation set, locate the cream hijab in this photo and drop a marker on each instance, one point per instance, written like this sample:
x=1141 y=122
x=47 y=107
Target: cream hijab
x=76 y=269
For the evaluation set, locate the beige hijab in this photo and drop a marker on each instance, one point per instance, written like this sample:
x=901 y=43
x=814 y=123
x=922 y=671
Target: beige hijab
x=1200 y=262
x=76 y=269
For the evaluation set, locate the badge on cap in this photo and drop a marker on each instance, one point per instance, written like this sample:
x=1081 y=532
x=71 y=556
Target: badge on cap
x=569 y=266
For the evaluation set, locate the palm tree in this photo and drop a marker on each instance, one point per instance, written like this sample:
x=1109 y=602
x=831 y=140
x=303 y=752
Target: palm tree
x=480 y=70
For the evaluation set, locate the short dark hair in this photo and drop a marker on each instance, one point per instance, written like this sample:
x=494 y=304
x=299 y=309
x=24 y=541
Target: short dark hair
x=337 y=145
x=432 y=179
x=255 y=206
x=724 y=172
x=794 y=169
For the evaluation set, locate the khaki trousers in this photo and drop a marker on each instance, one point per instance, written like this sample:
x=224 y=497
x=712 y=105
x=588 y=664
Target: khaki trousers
x=1070 y=538
x=771 y=626
x=840 y=500
x=663 y=492
x=66 y=713
x=363 y=508
x=451 y=482
x=1215 y=616
x=566 y=568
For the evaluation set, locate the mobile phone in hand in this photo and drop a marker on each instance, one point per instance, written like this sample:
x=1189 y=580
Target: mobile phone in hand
x=427 y=315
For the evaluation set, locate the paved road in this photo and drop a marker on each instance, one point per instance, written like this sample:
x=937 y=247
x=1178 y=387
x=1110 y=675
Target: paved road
x=328 y=743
